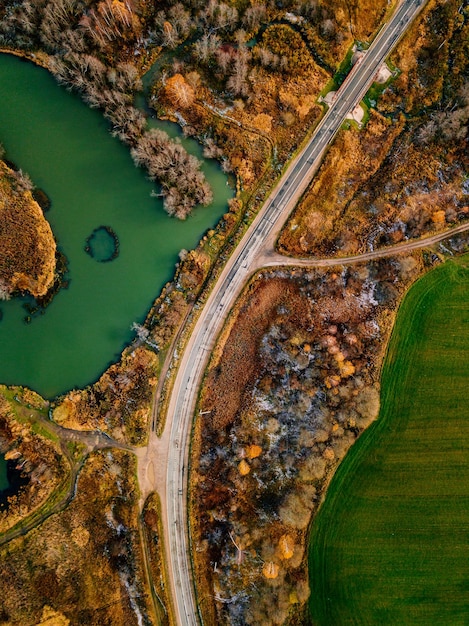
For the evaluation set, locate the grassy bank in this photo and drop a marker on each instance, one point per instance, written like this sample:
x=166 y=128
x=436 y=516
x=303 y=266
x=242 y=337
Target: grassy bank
x=389 y=544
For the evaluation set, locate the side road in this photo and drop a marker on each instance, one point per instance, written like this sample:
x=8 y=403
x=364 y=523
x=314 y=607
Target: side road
x=271 y=258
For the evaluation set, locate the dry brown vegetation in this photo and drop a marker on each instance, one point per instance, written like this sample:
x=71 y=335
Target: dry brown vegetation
x=40 y=458
x=154 y=541
x=270 y=99
x=404 y=175
x=83 y=565
x=433 y=59
x=292 y=383
x=332 y=28
x=27 y=246
x=118 y=403
x=351 y=160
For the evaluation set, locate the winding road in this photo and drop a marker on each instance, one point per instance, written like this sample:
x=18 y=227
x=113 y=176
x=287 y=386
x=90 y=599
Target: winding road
x=253 y=252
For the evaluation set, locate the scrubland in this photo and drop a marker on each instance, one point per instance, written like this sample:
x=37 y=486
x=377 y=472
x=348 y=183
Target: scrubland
x=293 y=382
x=82 y=565
x=35 y=451
x=405 y=174
x=118 y=403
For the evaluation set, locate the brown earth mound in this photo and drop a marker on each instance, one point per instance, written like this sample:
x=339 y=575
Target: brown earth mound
x=27 y=246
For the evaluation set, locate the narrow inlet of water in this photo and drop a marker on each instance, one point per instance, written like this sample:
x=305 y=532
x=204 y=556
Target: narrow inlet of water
x=3 y=474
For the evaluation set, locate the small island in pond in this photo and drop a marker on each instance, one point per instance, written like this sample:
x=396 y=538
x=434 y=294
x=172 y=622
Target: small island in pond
x=103 y=244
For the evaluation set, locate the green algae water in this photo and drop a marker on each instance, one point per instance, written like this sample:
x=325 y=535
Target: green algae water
x=91 y=180
x=3 y=474
x=102 y=245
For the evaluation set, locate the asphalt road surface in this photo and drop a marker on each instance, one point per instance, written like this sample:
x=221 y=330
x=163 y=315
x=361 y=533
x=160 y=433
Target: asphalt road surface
x=234 y=276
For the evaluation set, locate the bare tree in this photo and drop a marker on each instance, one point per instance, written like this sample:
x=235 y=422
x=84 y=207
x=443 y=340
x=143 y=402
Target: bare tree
x=218 y=16
x=205 y=47
x=237 y=83
x=183 y=184
x=253 y=17
x=172 y=26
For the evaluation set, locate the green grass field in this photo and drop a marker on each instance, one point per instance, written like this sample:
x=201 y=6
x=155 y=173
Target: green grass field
x=390 y=544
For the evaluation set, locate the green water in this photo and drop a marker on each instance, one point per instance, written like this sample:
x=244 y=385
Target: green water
x=102 y=245
x=3 y=473
x=89 y=176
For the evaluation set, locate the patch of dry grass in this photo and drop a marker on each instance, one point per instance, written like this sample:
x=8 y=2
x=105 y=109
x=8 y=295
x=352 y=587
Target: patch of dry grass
x=401 y=177
x=27 y=246
x=38 y=454
x=154 y=541
x=83 y=564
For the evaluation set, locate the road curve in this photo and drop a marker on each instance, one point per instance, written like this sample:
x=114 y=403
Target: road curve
x=232 y=279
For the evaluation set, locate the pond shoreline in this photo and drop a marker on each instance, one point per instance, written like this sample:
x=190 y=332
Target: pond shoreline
x=149 y=240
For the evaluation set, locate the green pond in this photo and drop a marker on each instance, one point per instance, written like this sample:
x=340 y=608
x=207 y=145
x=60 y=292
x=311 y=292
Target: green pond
x=90 y=178
x=3 y=474
x=102 y=245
